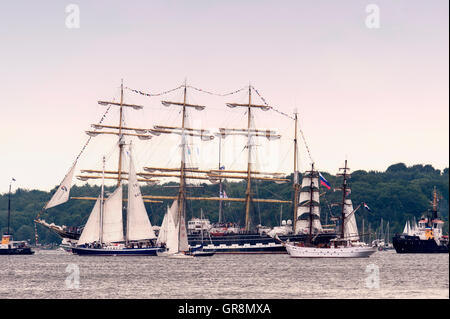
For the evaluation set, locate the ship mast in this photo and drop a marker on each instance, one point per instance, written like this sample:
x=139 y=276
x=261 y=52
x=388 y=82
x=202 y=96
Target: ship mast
x=218 y=175
x=102 y=203
x=345 y=175
x=121 y=140
x=435 y=204
x=181 y=197
x=9 y=203
x=296 y=177
x=250 y=133
x=220 y=180
x=121 y=131
x=249 y=158
x=311 y=204
x=182 y=191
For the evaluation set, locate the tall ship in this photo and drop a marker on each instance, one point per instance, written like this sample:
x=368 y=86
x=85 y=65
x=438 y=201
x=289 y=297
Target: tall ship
x=252 y=238
x=223 y=236
x=347 y=244
x=103 y=233
x=426 y=237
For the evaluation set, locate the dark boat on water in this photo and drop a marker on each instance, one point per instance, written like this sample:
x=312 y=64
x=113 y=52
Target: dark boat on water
x=8 y=246
x=426 y=238
x=115 y=250
x=253 y=243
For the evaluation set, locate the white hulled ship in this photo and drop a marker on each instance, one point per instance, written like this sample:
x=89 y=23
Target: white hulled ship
x=347 y=245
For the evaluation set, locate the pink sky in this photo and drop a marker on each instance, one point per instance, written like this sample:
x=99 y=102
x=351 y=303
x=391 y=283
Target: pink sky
x=373 y=96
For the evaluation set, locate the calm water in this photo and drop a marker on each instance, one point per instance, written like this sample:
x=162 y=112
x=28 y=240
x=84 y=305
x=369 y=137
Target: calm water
x=47 y=275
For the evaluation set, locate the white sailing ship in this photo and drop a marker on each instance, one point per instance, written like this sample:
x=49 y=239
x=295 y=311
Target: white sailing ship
x=103 y=233
x=347 y=245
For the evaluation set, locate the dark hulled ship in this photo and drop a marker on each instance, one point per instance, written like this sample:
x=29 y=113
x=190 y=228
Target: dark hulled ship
x=10 y=247
x=425 y=238
x=7 y=245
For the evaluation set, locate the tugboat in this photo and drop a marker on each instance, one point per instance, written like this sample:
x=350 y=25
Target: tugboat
x=8 y=246
x=426 y=238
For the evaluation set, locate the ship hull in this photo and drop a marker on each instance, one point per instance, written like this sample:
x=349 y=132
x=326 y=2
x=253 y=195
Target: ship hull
x=404 y=244
x=16 y=251
x=116 y=252
x=252 y=243
x=345 y=252
x=244 y=243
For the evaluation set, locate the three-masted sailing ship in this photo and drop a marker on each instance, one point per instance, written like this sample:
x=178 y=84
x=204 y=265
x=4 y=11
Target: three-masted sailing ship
x=347 y=244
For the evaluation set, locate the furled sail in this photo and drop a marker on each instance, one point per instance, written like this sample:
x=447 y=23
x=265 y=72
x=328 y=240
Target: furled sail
x=112 y=218
x=306 y=206
x=138 y=224
x=91 y=231
x=62 y=193
x=351 y=228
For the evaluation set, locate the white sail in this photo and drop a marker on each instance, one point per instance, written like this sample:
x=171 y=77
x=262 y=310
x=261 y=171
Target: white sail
x=162 y=235
x=183 y=243
x=306 y=197
x=138 y=224
x=91 y=231
x=302 y=226
x=304 y=209
x=112 y=218
x=405 y=229
x=414 y=227
x=62 y=193
x=306 y=181
x=351 y=228
x=172 y=235
x=174 y=212
x=410 y=229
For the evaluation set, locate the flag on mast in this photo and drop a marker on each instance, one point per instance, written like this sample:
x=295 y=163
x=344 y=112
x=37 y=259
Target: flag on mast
x=367 y=207
x=324 y=182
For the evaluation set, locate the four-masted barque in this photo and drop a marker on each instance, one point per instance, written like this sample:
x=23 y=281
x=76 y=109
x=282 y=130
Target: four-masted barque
x=246 y=239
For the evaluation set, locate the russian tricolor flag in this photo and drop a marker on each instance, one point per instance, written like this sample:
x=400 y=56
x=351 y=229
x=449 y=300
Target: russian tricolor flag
x=324 y=182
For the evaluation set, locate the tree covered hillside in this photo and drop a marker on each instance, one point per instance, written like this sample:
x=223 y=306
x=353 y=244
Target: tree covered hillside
x=398 y=194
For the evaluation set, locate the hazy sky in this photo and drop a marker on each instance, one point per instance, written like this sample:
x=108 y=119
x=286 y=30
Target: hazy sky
x=376 y=96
